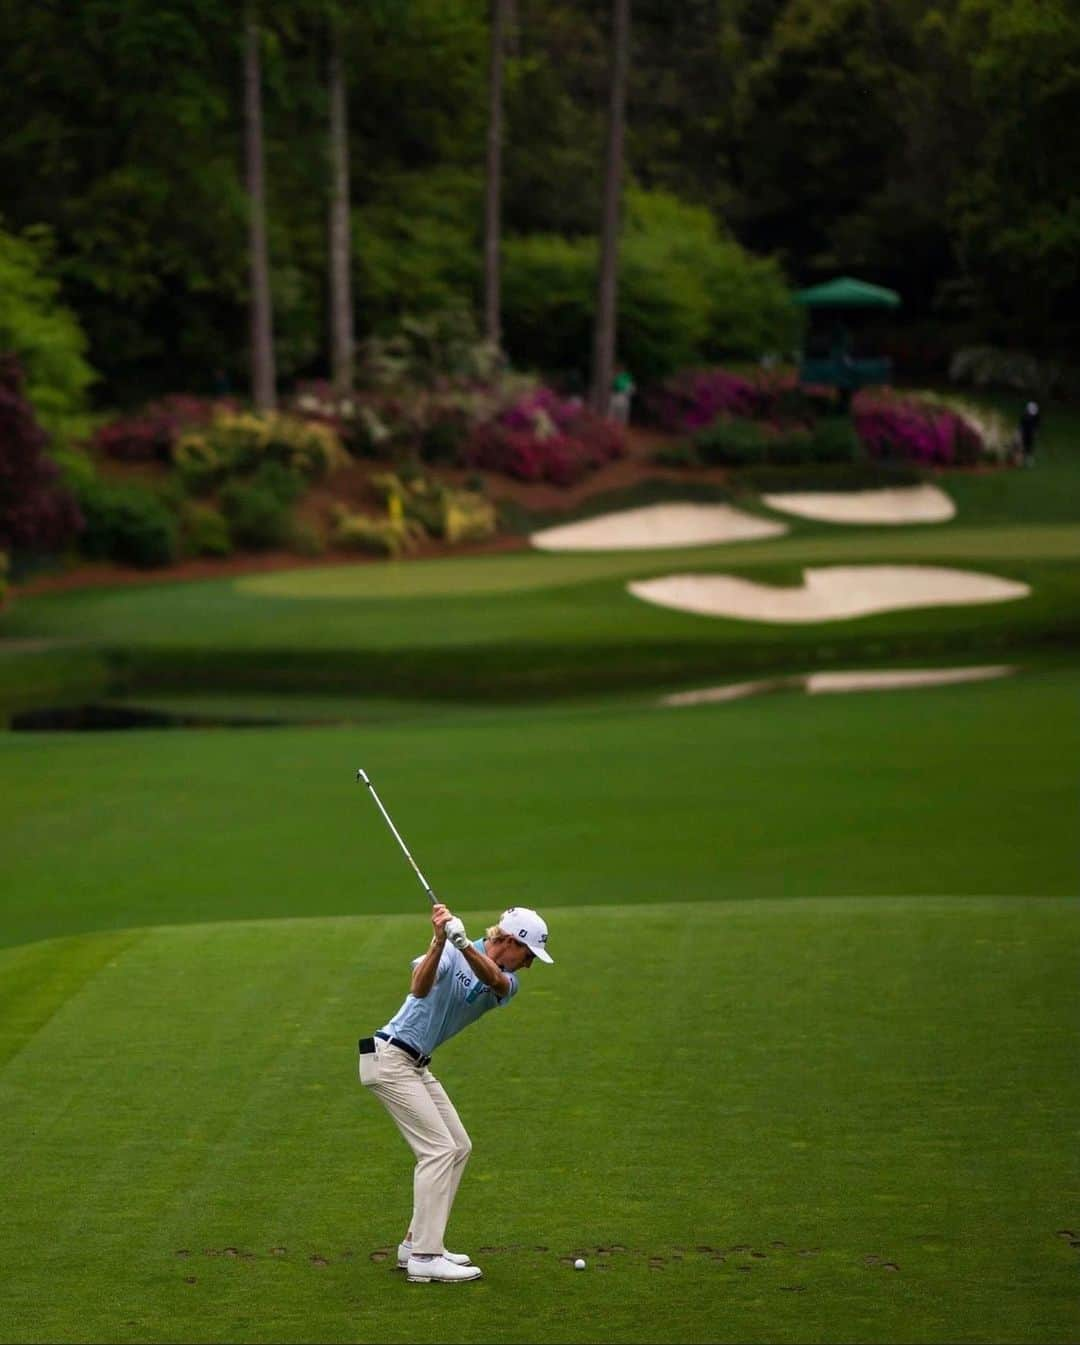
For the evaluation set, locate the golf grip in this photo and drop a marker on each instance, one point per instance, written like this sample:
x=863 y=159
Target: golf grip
x=362 y=775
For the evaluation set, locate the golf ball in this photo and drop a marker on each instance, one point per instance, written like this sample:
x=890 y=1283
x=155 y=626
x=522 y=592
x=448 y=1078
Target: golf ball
x=579 y=1264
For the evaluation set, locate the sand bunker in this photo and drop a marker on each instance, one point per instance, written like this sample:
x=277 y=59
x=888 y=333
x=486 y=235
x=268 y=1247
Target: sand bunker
x=657 y=526
x=835 y=593
x=826 y=683
x=907 y=504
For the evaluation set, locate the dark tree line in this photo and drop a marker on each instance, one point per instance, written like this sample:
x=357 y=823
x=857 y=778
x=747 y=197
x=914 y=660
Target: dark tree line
x=925 y=147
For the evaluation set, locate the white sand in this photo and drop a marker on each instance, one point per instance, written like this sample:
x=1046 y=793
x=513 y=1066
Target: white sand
x=907 y=504
x=835 y=593
x=832 y=682
x=657 y=526
x=899 y=679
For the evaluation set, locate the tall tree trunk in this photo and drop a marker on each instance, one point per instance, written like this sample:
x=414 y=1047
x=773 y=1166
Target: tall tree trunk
x=493 y=179
x=342 y=340
x=262 y=338
x=604 y=334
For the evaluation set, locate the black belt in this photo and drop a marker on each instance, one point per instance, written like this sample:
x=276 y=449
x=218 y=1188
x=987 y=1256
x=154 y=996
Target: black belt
x=367 y=1045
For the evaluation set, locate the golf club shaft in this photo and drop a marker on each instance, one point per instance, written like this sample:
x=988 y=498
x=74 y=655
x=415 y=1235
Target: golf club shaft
x=362 y=775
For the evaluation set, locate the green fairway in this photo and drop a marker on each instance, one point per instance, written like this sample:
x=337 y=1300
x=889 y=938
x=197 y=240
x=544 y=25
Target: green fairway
x=968 y=789
x=814 y=1121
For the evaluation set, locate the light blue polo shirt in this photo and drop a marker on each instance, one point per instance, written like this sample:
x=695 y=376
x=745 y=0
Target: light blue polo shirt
x=457 y=998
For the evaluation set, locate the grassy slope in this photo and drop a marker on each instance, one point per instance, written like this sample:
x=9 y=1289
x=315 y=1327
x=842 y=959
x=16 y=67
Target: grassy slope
x=850 y=1079
x=969 y=789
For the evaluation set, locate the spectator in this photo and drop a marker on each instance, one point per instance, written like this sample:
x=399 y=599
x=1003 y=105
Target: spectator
x=622 y=392
x=1029 y=426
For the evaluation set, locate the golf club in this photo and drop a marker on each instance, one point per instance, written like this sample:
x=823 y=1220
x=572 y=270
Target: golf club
x=362 y=775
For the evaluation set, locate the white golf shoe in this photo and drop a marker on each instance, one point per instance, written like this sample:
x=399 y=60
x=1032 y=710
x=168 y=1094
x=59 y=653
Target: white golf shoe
x=404 y=1251
x=439 y=1271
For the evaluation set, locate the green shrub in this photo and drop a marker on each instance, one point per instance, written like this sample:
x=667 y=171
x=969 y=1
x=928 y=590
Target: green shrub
x=687 y=294
x=199 y=463
x=257 y=518
x=43 y=333
x=284 y=483
x=833 y=440
x=306 y=539
x=205 y=531
x=731 y=443
x=684 y=453
x=128 y=524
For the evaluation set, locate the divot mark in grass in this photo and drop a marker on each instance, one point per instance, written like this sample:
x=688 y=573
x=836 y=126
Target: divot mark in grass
x=183 y=1251
x=759 y=1255
x=230 y=1251
x=889 y=1265
x=279 y=1251
x=190 y=1279
x=317 y=1260
x=380 y=1255
x=793 y=1288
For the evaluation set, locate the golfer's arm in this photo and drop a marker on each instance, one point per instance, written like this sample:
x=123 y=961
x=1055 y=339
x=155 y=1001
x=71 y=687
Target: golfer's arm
x=423 y=977
x=487 y=971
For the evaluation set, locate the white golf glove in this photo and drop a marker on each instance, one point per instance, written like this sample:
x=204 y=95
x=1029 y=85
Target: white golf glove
x=455 y=932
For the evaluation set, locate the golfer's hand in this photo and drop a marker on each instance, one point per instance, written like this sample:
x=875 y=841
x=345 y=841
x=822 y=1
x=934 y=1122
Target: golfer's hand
x=439 y=916
x=455 y=932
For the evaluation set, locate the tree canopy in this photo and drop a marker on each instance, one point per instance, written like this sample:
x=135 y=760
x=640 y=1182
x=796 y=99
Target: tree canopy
x=926 y=148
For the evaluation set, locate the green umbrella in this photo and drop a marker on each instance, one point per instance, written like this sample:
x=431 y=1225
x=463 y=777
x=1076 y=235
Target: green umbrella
x=845 y=292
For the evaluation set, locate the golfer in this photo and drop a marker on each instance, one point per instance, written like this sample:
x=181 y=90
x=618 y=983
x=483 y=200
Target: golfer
x=454 y=983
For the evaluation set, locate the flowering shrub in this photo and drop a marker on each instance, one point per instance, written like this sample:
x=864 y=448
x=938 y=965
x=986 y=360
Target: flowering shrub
x=994 y=432
x=910 y=430
x=36 y=511
x=241 y=442
x=543 y=437
x=695 y=398
x=442 y=511
x=384 y=536
x=152 y=435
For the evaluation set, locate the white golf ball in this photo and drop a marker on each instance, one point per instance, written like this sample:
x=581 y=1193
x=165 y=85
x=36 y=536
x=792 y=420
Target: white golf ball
x=579 y=1264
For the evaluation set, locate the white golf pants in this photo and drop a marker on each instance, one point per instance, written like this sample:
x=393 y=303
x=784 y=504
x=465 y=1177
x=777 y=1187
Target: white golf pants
x=432 y=1129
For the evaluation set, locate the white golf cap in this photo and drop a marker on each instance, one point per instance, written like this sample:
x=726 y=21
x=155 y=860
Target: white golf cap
x=526 y=926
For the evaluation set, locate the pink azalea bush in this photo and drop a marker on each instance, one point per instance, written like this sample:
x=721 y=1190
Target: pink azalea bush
x=541 y=436
x=910 y=430
x=695 y=398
